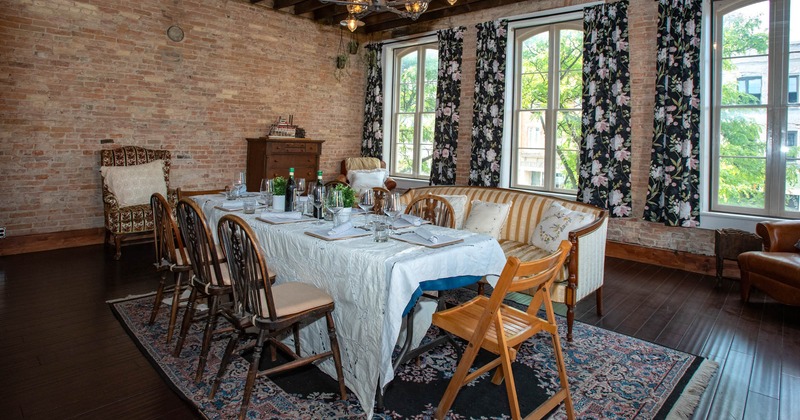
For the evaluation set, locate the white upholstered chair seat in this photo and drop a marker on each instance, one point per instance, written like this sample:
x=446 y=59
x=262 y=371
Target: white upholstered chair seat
x=294 y=298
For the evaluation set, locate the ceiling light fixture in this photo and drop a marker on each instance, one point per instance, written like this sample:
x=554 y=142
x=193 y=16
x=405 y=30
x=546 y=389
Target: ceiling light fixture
x=357 y=9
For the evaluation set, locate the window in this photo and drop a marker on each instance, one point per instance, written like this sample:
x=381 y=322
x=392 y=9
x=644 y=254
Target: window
x=751 y=85
x=548 y=62
x=413 y=110
x=755 y=158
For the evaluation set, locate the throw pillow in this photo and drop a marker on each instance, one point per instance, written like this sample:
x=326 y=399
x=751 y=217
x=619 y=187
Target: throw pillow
x=488 y=218
x=459 y=203
x=361 y=180
x=133 y=185
x=555 y=226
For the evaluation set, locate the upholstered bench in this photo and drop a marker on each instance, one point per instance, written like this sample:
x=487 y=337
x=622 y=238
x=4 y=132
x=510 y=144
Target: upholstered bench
x=583 y=270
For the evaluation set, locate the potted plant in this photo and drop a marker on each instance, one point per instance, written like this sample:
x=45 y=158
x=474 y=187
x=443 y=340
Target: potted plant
x=279 y=193
x=348 y=200
x=341 y=61
x=352 y=47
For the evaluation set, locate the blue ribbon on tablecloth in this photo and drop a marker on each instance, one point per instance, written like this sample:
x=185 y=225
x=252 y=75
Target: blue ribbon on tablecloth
x=439 y=285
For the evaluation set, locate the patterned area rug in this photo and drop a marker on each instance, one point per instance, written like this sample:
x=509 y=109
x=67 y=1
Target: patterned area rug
x=611 y=376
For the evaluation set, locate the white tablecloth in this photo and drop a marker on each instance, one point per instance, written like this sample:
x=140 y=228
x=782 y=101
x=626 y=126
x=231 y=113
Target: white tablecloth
x=371 y=284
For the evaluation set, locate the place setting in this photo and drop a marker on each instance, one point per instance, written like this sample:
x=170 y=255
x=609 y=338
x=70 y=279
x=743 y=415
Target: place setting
x=425 y=237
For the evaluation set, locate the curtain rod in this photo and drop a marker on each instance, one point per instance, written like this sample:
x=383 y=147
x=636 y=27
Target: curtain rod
x=395 y=41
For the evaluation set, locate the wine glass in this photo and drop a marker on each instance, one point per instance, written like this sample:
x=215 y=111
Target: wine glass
x=299 y=190
x=391 y=206
x=317 y=199
x=266 y=192
x=366 y=201
x=335 y=203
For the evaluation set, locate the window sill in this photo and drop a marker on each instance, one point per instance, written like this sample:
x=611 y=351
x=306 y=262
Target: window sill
x=718 y=220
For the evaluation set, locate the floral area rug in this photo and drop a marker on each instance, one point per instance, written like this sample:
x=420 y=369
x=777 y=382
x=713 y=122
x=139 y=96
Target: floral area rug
x=610 y=375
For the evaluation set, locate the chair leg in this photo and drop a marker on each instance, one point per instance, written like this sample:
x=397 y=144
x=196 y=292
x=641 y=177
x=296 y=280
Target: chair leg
x=456 y=382
x=504 y=372
x=337 y=358
x=744 y=284
x=570 y=320
x=251 y=374
x=223 y=365
x=118 y=246
x=176 y=301
x=562 y=374
x=296 y=334
x=187 y=321
x=211 y=325
x=598 y=294
x=159 y=296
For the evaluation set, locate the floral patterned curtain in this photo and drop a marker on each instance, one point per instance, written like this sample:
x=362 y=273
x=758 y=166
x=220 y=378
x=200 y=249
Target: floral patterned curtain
x=372 y=138
x=672 y=192
x=487 y=110
x=448 y=99
x=605 y=151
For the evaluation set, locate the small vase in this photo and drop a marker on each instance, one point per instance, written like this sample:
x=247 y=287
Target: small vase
x=278 y=203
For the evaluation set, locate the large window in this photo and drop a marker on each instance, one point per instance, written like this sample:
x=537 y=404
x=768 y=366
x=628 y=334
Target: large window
x=547 y=106
x=756 y=160
x=413 y=110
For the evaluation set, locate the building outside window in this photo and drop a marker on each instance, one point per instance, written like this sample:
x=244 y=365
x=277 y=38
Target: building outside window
x=755 y=159
x=414 y=77
x=547 y=106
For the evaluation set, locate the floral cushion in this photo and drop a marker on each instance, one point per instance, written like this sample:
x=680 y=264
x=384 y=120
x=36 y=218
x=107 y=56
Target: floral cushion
x=555 y=226
x=361 y=180
x=133 y=185
x=459 y=204
x=487 y=218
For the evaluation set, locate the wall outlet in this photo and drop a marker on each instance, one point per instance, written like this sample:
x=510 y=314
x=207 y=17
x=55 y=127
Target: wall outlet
x=2 y=232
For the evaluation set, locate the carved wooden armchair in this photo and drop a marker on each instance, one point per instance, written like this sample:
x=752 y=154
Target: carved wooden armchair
x=129 y=174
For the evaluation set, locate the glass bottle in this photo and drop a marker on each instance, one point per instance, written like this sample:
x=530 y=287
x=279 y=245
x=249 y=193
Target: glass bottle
x=290 y=187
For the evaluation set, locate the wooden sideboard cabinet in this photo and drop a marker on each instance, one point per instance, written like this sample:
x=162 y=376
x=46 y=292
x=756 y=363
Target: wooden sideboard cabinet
x=268 y=157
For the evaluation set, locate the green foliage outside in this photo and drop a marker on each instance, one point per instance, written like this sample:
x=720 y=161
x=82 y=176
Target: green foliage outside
x=408 y=103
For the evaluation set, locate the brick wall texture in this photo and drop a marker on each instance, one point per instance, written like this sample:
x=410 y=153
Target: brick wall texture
x=75 y=72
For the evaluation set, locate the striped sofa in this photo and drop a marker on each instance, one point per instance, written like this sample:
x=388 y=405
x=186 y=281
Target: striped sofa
x=583 y=273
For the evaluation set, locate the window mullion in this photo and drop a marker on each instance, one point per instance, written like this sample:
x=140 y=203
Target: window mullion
x=550 y=114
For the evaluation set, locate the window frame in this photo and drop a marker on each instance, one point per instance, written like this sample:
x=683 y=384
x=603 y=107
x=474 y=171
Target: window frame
x=519 y=35
x=394 y=56
x=776 y=108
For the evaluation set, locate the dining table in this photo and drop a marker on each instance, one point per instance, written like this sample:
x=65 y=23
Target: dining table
x=374 y=285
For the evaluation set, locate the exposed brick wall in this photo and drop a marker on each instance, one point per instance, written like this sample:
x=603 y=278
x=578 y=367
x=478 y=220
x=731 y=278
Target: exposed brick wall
x=72 y=73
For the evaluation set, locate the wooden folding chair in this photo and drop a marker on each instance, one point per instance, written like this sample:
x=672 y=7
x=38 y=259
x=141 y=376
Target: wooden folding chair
x=489 y=324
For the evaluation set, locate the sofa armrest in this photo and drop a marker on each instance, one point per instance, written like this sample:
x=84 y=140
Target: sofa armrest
x=390 y=184
x=586 y=262
x=779 y=236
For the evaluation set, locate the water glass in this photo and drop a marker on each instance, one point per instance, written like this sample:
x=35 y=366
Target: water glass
x=366 y=201
x=249 y=206
x=318 y=199
x=266 y=192
x=335 y=203
x=391 y=206
x=380 y=230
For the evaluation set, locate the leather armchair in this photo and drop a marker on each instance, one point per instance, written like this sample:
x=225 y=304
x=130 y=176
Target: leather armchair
x=364 y=163
x=776 y=270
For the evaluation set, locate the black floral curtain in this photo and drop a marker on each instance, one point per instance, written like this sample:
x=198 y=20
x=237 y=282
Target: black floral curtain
x=672 y=192
x=605 y=152
x=489 y=104
x=372 y=138
x=448 y=99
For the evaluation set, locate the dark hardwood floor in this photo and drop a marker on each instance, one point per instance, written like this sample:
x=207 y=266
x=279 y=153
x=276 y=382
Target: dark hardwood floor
x=64 y=355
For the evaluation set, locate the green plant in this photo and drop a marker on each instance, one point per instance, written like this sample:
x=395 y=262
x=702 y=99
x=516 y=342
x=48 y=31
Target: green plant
x=348 y=195
x=352 y=46
x=279 y=185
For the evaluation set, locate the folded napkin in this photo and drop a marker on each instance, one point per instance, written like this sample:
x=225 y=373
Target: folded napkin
x=427 y=235
x=410 y=218
x=292 y=215
x=232 y=204
x=344 y=227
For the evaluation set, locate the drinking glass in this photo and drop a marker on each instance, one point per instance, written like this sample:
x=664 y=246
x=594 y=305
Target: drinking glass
x=335 y=203
x=266 y=192
x=391 y=206
x=366 y=201
x=299 y=190
x=317 y=199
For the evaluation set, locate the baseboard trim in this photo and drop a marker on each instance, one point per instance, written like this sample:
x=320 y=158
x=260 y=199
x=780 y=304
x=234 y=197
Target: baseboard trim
x=13 y=245
x=696 y=263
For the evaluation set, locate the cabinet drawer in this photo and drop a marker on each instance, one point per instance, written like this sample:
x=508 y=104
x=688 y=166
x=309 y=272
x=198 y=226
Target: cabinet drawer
x=292 y=148
x=306 y=172
x=286 y=162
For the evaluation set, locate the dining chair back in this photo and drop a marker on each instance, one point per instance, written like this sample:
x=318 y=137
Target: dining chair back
x=380 y=195
x=487 y=323
x=183 y=193
x=270 y=308
x=209 y=280
x=434 y=209
x=170 y=258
